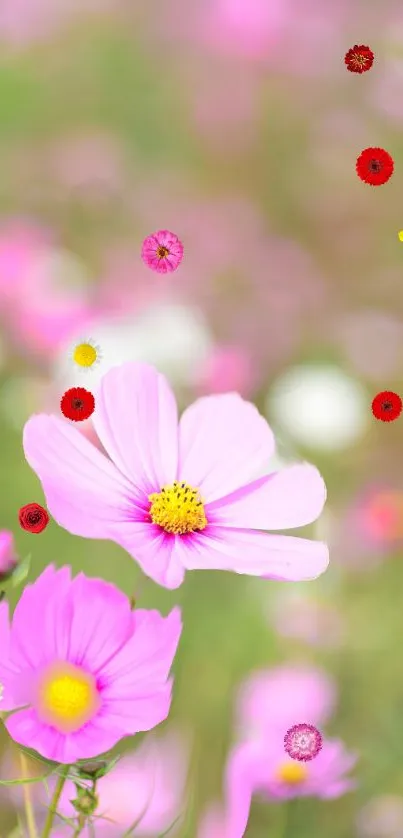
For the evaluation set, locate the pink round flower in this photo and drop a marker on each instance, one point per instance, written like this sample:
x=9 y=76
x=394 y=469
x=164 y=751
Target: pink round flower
x=81 y=668
x=162 y=251
x=303 y=742
x=181 y=497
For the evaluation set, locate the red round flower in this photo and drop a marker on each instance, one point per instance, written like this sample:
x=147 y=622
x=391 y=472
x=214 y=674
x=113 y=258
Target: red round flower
x=359 y=59
x=33 y=517
x=374 y=166
x=387 y=406
x=303 y=742
x=77 y=404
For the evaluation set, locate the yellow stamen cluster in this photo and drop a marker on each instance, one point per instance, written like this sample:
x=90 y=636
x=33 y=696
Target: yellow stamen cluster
x=162 y=252
x=68 y=697
x=85 y=355
x=292 y=773
x=178 y=509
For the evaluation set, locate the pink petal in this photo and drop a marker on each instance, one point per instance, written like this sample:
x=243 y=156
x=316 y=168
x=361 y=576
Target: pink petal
x=137 y=422
x=244 y=763
x=101 y=622
x=45 y=603
x=153 y=550
x=289 y=498
x=222 y=440
x=132 y=714
x=8 y=701
x=85 y=492
x=147 y=657
x=93 y=739
x=254 y=553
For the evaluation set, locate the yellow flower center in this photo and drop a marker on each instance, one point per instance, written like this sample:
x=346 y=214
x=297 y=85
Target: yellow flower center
x=162 y=252
x=68 y=697
x=178 y=509
x=85 y=355
x=292 y=773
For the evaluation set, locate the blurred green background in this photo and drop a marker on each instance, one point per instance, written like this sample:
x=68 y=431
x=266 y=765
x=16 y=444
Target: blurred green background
x=240 y=132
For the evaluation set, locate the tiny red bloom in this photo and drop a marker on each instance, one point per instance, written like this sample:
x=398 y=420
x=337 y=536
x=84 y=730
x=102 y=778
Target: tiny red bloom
x=303 y=742
x=77 y=404
x=359 y=59
x=33 y=517
x=374 y=166
x=387 y=406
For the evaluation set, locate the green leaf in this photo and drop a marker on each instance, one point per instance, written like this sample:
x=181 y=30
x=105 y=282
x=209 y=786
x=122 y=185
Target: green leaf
x=22 y=782
x=21 y=572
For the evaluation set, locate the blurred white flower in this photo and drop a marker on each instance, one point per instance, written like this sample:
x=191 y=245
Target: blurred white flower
x=174 y=338
x=381 y=817
x=319 y=406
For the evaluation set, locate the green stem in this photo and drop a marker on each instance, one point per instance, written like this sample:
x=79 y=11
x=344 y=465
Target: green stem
x=28 y=807
x=55 y=801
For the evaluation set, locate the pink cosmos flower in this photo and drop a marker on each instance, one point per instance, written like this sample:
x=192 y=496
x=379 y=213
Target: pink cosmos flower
x=82 y=667
x=178 y=498
x=276 y=699
x=263 y=768
x=162 y=251
x=147 y=785
x=8 y=558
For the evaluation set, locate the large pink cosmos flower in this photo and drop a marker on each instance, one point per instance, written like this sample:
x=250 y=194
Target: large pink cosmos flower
x=178 y=498
x=82 y=667
x=264 y=768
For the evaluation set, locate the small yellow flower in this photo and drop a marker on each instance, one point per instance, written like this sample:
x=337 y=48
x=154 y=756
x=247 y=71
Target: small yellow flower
x=400 y=234
x=86 y=354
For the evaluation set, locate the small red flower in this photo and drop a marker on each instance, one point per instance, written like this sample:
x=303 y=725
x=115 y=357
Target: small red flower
x=303 y=742
x=374 y=166
x=387 y=406
x=359 y=59
x=33 y=517
x=77 y=404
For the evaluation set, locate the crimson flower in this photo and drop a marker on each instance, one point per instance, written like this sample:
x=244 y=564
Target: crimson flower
x=33 y=517
x=303 y=742
x=387 y=406
x=359 y=59
x=77 y=404
x=374 y=166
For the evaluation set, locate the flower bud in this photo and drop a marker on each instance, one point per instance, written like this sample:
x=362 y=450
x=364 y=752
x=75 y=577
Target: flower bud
x=86 y=801
x=8 y=558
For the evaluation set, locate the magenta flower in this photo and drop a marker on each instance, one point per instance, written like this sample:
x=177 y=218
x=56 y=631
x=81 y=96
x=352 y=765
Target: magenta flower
x=262 y=767
x=162 y=251
x=178 y=499
x=82 y=667
x=303 y=742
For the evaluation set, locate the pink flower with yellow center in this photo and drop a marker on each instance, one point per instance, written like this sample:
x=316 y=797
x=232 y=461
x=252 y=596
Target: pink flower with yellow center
x=82 y=669
x=178 y=496
x=261 y=767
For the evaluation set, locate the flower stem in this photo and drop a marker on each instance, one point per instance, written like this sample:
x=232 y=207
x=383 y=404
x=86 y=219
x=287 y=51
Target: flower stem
x=28 y=807
x=55 y=801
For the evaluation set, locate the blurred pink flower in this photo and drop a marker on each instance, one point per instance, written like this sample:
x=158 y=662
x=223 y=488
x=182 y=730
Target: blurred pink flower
x=276 y=699
x=91 y=165
x=301 y=617
x=212 y=823
x=8 y=557
x=37 y=292
x=226 y=369
x=146 y=785
x=263 y=767
x=206 y=461
x=372 y=341
x=23 y=22
x=370 y=527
